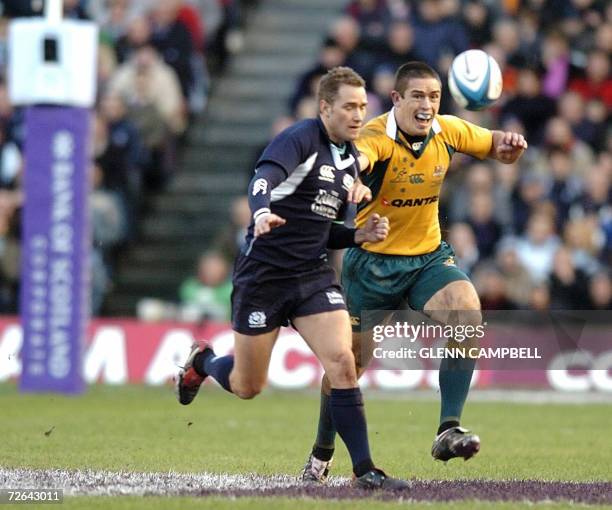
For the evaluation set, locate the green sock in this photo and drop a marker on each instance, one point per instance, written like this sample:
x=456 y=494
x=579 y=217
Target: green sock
x=455 y=377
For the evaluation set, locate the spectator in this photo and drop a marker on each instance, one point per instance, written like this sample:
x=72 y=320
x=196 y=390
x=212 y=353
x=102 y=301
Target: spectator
x=530 y=106
x=438 y=30
x=173 y=41
x=556 y=62
x=530 y=193
x=477 y=20
x=583 y=237
x=559 y=134
x=398 y=46
x=155 y=105
x=565 y=185
x=506 y=34
x=567 y=284
x=138 y=34
x=600 y=291
x=379 y=99
x=491 y=288
x=537 y=248
x=112 y=16
x=374 y=18
x=480 y=218
x=123 y=158
x=597 y=81
x=330 y=55
x=462 y=239
x=207 y=296
x=518 y=281
x=231 y=240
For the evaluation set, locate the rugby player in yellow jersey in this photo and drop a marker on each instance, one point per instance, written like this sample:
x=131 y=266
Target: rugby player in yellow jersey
x=405 y=155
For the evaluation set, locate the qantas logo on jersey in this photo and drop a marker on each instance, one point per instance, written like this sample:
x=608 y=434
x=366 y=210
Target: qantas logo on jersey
x=409 y=202
x=326 y=173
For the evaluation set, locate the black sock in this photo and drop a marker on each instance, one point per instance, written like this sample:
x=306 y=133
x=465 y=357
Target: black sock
x=220 y=368
x=326 y=432
x=322 y=453
x=447 y=425
x=200 y=359
x=349 y=419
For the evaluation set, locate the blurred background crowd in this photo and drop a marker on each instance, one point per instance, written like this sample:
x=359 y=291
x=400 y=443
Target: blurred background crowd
x=154 y=64
x=536 y=234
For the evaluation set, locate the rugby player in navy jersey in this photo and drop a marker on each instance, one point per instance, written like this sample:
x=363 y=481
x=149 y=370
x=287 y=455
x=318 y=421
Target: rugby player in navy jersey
x=298 y=197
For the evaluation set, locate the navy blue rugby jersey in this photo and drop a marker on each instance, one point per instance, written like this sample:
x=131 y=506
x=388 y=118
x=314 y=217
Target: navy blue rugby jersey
x=313 y=195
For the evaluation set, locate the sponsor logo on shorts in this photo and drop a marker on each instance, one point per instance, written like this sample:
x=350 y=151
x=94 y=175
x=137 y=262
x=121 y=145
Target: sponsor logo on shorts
x=335 y=298
x=257 y=320
x=355 y=321
x=326 y=173
x=450 y=261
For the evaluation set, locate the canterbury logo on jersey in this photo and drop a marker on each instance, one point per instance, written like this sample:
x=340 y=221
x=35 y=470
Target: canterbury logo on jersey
x=260 y=186
x=409 y=202
x=326 y=173
x=416 y=178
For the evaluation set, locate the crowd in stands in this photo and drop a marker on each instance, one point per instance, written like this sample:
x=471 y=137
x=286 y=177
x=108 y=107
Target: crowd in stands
x=536 y=234
x=153 y=76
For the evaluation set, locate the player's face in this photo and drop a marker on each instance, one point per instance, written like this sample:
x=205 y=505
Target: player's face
x=416 y=109
x=344 y=117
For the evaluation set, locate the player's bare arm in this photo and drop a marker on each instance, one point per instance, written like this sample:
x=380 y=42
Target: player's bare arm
x=364 y=162
x=507 y=146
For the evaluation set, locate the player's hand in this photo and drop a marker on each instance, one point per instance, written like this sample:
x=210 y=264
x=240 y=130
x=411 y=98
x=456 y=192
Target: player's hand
x=375 y=230
x=266 y=222
x=359 y=192
x=508 y=146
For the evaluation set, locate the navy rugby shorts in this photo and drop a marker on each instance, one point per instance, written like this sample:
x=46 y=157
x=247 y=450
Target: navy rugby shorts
x=265 y=297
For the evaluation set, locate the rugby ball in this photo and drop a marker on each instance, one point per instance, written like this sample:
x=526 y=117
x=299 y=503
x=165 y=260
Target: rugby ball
x=475 y=80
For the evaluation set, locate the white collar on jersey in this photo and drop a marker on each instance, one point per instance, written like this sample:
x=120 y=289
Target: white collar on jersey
x=392 y=125
x=340 y=163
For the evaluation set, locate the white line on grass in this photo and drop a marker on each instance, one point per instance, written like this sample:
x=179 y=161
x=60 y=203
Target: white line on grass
x=109 y=483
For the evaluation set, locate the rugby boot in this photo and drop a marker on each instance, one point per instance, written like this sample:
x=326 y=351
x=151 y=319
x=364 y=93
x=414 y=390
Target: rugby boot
x=188 y=381
x=455 y=442
x=377 y=479
x=315 y=470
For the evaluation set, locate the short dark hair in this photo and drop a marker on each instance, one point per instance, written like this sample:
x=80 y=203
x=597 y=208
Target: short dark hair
x=411 y=70
x=331 y=82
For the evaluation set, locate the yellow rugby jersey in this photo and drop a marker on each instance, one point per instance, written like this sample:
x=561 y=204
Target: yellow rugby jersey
x=406 y=185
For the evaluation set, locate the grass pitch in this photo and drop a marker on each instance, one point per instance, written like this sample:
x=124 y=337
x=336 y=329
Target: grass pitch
x=144 y=429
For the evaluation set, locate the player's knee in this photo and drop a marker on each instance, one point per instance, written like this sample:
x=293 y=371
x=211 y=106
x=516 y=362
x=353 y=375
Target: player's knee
x=341 y=369
x=247 y=391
